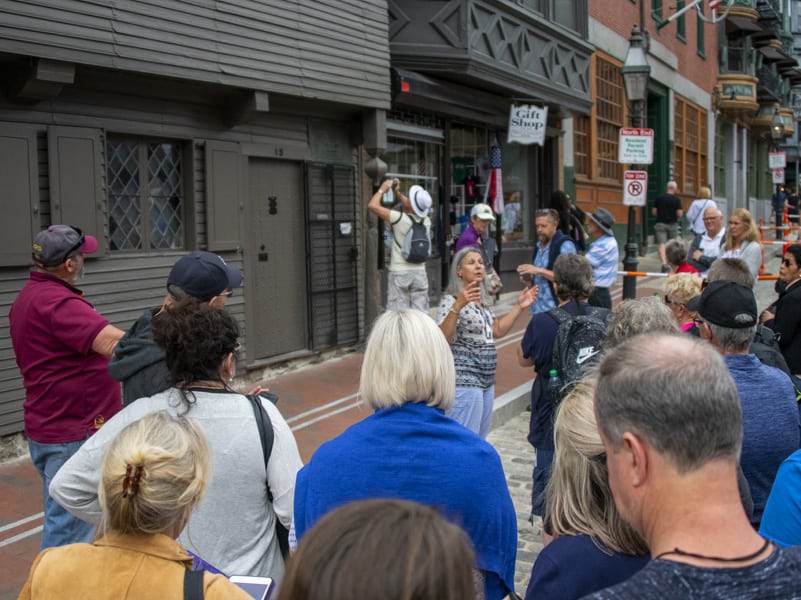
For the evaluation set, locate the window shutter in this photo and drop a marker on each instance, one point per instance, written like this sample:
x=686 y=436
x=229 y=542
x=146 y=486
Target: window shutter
x=76 y=183
x=224 y=176
x=19 y=180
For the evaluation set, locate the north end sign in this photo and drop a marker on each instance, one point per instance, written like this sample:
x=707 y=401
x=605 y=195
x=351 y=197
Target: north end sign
x=636 y=146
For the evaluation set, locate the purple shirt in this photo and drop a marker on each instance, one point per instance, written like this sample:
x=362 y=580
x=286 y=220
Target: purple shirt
x=469 y=237
x=68 y=391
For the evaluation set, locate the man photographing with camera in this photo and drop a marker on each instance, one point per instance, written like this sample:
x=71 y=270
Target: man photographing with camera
x=407 y=284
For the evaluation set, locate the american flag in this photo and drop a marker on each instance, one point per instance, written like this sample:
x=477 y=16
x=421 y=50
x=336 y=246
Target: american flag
x=713 y=4
x=493 y=195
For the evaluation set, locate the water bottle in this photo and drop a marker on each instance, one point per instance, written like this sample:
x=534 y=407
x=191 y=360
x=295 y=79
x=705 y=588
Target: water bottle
x=554 y=382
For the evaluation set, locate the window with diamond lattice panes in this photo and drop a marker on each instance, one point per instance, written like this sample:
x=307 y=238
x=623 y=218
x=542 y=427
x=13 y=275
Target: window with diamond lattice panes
x=145 y=195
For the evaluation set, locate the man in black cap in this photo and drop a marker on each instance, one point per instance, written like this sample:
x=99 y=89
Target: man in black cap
x=728 y=319
x=138 y=362
x=603 y=256
x=62 y=346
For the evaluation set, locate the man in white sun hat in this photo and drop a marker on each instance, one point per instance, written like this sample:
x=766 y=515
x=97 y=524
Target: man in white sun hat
x=407 y=285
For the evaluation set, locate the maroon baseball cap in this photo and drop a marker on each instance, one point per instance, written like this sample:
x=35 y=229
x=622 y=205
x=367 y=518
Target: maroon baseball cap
x=57 y=243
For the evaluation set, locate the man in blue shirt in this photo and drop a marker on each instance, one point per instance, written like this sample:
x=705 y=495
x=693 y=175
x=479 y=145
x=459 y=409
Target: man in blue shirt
x=728 y=319
x=603 y=256
x=551 y=243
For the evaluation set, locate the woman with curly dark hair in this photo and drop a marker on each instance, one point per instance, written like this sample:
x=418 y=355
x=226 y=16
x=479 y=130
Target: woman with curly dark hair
x=234 y=526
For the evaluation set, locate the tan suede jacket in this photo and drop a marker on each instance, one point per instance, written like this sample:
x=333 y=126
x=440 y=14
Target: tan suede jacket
x=120 y=566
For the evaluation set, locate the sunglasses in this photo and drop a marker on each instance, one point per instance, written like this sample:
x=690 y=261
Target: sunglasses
x=786 y=262
x=76 y=246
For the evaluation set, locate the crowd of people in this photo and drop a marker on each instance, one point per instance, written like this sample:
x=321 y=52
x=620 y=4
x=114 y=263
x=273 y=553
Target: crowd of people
x=670 y=466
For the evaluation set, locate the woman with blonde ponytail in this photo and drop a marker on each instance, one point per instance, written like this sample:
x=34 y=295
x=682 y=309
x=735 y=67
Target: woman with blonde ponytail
x=593 y=548
x=152 y=477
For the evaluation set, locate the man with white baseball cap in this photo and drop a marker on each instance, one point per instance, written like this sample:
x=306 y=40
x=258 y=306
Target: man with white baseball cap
x=62 y=346
x=407 y=284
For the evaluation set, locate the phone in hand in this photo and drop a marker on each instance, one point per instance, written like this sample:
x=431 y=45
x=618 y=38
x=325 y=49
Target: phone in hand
x=260 y=588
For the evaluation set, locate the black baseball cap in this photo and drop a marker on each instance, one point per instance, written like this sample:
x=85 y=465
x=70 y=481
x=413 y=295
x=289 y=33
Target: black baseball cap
x=726 y=303
x=203 y=275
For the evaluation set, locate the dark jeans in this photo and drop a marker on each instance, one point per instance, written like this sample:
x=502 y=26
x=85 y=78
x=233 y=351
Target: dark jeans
x=542 y=473
x=779 y=222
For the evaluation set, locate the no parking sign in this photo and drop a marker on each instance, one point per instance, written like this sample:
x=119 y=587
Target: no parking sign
x=635 y=187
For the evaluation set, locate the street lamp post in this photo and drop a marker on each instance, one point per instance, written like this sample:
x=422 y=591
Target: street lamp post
x=776 y=135
x=636 y=72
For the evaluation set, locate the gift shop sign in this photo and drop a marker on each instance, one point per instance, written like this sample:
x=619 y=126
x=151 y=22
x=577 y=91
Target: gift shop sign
x=527 y=124
x=635 y=186
x=636 y=146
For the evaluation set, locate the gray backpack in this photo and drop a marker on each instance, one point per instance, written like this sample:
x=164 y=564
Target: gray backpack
x=417 y=244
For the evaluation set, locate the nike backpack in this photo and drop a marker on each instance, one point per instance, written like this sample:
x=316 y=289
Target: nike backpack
x=577 y=345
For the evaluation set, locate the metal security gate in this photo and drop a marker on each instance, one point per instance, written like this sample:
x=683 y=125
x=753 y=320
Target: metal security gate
x=333 y=251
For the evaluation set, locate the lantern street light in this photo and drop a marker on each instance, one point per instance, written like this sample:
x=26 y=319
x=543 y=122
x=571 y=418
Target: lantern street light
x=636 y=72
x=776 y=127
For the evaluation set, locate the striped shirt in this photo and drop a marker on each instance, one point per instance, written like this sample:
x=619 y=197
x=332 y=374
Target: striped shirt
x=604 y=257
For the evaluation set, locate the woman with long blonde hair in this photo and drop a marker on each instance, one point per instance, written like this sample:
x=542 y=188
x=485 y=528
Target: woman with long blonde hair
x=742 y=240
x=593 y=548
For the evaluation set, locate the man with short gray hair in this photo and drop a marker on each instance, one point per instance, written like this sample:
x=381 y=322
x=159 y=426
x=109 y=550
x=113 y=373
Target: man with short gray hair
x=672 y=429
x=705 y=247
x=728 y=320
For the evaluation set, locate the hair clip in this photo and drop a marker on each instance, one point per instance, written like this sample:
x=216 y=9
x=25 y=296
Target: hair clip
x=130 y=485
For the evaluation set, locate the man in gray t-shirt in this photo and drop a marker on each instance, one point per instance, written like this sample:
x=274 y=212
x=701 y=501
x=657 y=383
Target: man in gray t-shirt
x=672 y=430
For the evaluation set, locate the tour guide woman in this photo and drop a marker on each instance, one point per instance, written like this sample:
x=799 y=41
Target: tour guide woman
x=471 y=328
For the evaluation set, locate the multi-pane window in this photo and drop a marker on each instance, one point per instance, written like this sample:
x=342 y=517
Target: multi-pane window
x=699 y=30
x=690 y=145
x=720 y=160
x=571 y=14
x=596 y=137
x=145 y=194
x=681 y=23
x=609 y=113
x=656 y=9
x=581 y=145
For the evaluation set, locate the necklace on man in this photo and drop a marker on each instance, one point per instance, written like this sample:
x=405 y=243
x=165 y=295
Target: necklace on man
x=747 y=557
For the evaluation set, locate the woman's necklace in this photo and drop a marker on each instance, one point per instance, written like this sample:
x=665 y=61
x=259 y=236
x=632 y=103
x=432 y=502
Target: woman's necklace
x=747 y=557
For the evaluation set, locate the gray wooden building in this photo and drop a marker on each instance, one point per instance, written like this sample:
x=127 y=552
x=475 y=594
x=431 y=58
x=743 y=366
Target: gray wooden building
x=171 y=125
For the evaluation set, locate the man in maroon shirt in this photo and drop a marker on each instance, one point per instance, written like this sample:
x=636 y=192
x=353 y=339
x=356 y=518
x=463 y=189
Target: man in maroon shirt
x=62 y=346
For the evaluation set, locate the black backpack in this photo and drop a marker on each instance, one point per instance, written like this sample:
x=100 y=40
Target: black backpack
x=417 y=244
x=577 y=345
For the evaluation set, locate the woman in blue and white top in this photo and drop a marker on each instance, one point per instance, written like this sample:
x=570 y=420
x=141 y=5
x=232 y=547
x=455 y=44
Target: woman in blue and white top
x=471 y=328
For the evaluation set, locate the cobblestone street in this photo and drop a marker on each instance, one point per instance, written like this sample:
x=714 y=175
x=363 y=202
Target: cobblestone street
x=518 y=460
